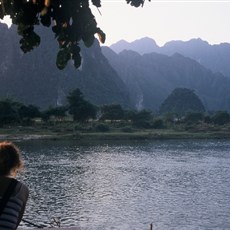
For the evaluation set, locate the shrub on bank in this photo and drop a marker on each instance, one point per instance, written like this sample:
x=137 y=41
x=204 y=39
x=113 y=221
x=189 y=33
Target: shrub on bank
x=158 y=124
x=102 y=128
x=127 y=129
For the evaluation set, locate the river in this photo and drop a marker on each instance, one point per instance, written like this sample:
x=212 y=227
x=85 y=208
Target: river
x=173 y=184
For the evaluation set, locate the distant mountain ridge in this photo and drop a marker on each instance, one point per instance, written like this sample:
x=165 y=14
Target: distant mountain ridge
x=151 y=77
x=214 y=57
x=141 y=46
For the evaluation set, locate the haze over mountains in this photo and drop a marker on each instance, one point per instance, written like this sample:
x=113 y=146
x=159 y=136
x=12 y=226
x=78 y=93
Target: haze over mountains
x=152 y=72
x=214 y=57
x=151 y=77
x=140 y=80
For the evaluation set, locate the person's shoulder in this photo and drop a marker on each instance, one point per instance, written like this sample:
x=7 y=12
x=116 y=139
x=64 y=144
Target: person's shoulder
x=22 y=189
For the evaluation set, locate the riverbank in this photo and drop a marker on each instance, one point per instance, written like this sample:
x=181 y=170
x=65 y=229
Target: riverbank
x=68 y=132
x=74 y=228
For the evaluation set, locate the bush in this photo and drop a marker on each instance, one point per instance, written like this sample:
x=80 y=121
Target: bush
x=221 y=118
x=127 y=129
x=207 y=119
x=102 y=128
x=142 y=124
x=158 y=124
x=78 y=127
x=194 y=118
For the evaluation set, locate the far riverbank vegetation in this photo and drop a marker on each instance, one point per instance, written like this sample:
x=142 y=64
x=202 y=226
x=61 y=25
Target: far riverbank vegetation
x=81 y=119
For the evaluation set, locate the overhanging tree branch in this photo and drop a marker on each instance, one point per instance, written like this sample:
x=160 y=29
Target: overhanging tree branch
x=71 y=21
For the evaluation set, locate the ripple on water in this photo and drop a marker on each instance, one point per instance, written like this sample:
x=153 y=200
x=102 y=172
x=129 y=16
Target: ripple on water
x=172 y=184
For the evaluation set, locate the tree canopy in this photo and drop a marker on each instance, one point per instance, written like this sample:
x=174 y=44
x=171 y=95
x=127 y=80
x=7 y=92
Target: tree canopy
x=81 y=109
x=221 y=118
x=71 y=21
x=112 y=112
x=13 y=112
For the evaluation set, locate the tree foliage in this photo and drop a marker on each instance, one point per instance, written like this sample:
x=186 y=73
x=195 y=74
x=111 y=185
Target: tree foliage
x=57 y=112
x=70 y=20
x=112 y=112
x=8 y=112
x=14 y=112
x=28 y=112
x=194 y=117
x=81 y=109
x=142 y=119
x=221 y=118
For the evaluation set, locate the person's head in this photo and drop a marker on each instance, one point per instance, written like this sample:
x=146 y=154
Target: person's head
x=10 y=159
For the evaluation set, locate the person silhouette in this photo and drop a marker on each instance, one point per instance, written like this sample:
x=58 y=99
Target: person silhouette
x=13 y=193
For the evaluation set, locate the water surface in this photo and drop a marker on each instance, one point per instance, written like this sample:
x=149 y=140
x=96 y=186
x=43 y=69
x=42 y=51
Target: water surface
x=128 y=185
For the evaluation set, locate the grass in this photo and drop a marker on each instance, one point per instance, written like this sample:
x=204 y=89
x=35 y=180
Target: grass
x=90 y=131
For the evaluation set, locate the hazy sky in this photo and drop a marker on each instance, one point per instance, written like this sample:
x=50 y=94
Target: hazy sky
x=165 y=20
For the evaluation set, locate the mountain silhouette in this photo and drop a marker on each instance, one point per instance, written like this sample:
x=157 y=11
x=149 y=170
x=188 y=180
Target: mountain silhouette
x=213 y=57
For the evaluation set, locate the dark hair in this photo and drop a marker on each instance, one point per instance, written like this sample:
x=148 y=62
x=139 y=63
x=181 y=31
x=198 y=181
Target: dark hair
x=10 y=158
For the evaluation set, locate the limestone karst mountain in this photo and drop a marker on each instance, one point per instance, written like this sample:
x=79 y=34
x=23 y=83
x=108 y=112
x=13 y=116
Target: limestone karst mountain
x=33 y=78
x=213 y=57
x=151 y=77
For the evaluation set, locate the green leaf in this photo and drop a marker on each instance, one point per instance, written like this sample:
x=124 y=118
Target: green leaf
x=135 y=3
x=1 y=14
x=77 y=60
x=89 y=42
x=63 y=57
x=101 y=35
x=46 y=20
x=29 y=41
x=96 y=3
x=56 y=30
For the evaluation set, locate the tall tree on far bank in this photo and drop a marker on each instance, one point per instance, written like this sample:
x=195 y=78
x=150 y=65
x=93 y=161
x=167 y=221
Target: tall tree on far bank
x=8 y=112
x=81 y=109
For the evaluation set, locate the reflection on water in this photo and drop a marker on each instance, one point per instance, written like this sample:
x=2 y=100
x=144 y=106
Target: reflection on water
x=122 y=186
